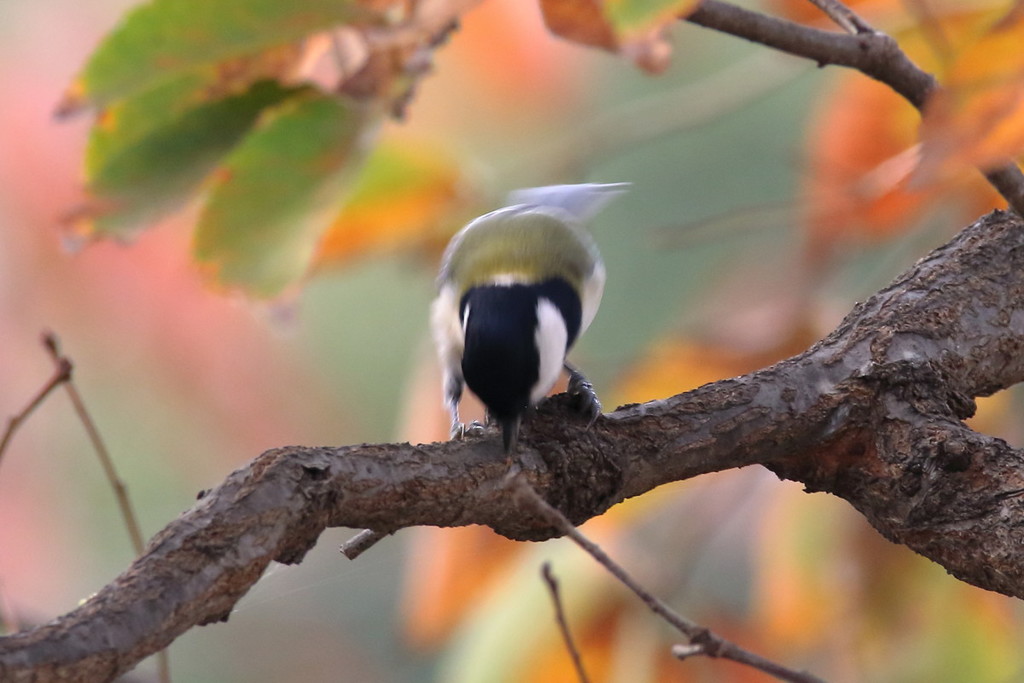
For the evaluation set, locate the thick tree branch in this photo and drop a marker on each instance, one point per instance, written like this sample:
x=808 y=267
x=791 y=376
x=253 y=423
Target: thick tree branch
x=871 y=413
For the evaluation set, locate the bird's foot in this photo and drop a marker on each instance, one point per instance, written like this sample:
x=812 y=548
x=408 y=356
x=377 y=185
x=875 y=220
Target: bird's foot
x=586 y=398
x=460 y=430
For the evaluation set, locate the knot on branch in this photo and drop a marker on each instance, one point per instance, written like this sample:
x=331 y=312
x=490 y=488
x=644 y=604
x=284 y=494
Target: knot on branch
x=931 y=464
x=922 y=385
x=708 y=644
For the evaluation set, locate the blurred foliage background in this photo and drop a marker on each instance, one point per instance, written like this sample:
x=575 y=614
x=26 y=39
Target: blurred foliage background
x=740 y=243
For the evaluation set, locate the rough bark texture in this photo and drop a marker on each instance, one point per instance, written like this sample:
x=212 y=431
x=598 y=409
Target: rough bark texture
x=871 y=413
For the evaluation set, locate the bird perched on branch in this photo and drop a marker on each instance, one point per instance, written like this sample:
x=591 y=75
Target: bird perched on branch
x=517 y=287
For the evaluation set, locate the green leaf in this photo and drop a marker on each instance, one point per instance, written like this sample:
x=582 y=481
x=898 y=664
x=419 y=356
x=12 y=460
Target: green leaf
x=125 y=123
x=147 y=154
x=630 y=17
x=164 y=39
x=406 y=193
x=276 y=193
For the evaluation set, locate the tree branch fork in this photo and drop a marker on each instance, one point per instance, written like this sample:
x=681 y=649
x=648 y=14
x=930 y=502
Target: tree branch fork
x=872 y=413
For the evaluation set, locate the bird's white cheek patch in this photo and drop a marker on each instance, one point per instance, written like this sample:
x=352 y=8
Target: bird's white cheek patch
x=551 y=337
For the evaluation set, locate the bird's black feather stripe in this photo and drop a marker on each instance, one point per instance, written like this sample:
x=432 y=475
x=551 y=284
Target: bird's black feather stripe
x=500 y=360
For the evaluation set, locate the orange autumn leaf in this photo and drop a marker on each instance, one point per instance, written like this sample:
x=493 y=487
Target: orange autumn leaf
x=824 y=576
x=997 y=416
x=674 y=365
x=406 y=192
x=594 y=641
x=977 y=118
x=800 y=588
x=862 y=148
x=580 y=21
x=641 y=28
x=504 y=51
x=453 y=569
x=897 y=600
x=633 y=28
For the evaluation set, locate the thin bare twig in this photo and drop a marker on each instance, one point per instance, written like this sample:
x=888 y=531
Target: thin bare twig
x=120 y=491
x=843 y=16
x=131 y=522
x=702 y=640
x=61 y=375
x=563 y=624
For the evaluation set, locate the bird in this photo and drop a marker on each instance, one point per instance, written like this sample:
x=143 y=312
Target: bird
x=516 y=289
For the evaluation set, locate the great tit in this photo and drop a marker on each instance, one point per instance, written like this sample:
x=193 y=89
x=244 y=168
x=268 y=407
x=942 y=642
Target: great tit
x=517 y=287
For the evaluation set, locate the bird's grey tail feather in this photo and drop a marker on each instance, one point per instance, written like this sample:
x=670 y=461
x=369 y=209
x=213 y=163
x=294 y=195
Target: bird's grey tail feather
x=583 y=200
